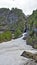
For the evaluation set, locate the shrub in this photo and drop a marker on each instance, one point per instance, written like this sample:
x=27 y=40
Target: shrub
x=17 y=33
x=5 y=36
x=29 y=41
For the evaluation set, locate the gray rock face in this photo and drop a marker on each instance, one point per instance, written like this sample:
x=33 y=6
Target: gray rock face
x=10 y=18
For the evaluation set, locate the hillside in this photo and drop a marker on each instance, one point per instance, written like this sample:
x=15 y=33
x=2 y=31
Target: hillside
x=32 y=27
x=11 y=19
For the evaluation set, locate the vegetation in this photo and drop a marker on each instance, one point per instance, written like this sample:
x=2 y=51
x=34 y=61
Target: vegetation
x=32 y=27
x=5 y=36
x=17 y=33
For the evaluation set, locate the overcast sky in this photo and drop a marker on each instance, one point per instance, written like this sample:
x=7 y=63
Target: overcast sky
x=26 y=5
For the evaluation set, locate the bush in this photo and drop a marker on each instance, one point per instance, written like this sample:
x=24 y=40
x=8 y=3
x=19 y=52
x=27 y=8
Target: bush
x=17 y=33
x=29 y=41
x=8 y=35
x=5 y=36
x=2 y=38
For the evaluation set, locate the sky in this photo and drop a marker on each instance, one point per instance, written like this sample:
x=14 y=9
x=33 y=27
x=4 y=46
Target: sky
x=26 y=5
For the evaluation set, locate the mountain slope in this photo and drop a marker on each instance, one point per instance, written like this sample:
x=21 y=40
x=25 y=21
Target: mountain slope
x=11 y=19
x=32 y=27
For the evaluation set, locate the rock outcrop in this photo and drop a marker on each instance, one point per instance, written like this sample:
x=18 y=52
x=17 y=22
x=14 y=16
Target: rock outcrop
x=30 y=55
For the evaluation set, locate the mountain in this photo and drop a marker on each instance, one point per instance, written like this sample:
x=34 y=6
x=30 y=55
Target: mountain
x=11 y=19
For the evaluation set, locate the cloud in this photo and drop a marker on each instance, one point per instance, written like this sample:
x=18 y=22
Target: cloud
x=26 y=5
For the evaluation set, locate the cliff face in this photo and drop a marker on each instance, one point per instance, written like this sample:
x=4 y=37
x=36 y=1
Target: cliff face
x=10 y=19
